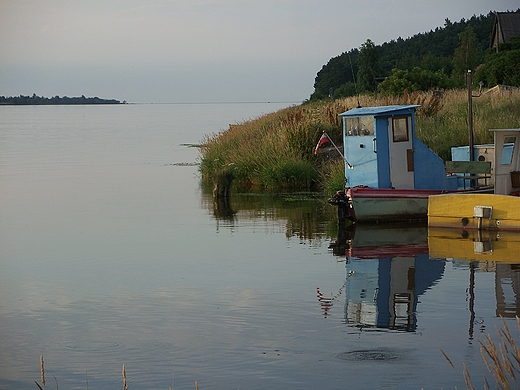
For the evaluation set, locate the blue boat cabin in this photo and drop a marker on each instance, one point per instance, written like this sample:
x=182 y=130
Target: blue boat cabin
x=381 y=150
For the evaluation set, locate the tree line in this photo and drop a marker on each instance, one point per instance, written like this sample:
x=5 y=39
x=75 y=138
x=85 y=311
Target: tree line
x=37 y=100
x=438 y=59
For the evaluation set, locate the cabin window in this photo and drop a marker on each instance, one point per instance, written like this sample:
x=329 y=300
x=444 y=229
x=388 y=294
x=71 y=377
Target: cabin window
x=400 y=129
x=363 y=125
x=508 y=151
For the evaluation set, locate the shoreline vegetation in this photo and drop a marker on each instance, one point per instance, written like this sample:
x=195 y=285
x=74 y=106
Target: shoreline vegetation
x=274 y=152
x=56 y=100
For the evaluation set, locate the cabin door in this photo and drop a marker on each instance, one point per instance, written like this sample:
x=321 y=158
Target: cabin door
x=507 y=144
x=401 y=152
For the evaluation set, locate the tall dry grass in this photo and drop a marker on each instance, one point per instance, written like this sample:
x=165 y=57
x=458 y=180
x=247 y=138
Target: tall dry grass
x=272 y=151
x=275 y=151
x=502 y=360
x=447 y=126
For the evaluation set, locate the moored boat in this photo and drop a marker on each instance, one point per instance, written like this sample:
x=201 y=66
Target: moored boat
x=389 y=172
x=497 y=211
x=475 y=211
x=380 y=205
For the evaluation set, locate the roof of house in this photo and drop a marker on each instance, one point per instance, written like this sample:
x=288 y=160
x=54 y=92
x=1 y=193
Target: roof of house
x=507 y=26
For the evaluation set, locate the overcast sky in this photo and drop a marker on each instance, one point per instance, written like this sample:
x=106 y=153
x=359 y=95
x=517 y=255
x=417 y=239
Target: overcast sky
x=199 y=50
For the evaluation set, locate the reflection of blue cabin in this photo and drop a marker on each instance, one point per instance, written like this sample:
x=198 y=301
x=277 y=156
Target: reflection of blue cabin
x=382 y=151
x=384 y=292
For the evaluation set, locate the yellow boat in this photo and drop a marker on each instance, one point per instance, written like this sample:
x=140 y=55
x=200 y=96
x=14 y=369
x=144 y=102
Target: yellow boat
x=497 y=211
x=474 y=211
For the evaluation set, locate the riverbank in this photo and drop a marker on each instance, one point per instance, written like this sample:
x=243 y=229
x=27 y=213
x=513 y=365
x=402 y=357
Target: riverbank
x=275 y=151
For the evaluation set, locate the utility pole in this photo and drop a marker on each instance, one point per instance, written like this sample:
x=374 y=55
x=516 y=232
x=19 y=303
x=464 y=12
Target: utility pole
x=470 y=114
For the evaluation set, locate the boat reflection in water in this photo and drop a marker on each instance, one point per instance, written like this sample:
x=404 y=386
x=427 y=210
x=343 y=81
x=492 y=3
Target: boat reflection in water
x=490 y=251
x=388 y=269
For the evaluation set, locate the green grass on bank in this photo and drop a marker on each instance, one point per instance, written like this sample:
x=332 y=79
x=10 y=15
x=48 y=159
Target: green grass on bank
x=275 y=151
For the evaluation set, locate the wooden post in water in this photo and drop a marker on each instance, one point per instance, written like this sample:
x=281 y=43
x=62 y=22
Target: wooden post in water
x=222 y=184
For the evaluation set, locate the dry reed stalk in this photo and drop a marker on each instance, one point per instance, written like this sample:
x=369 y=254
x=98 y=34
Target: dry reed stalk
x=467 y=378
x=446 y=357
x=42 y=369
x=125 y=387
x=502 y=362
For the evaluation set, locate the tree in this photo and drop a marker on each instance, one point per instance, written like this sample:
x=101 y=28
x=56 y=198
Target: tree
x=338 y=71
x=433 y=50
x=502 y=67
x=465 y=55
x=416 y=79
x=369 y=66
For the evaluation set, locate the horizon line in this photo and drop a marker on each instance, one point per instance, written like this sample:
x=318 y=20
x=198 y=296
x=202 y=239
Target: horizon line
x=224 y=102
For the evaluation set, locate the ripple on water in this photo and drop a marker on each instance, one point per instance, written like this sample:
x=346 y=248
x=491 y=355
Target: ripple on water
x=93 y=346
x=378 y=354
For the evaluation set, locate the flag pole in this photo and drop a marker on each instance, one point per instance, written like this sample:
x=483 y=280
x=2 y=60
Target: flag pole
x=341 y=154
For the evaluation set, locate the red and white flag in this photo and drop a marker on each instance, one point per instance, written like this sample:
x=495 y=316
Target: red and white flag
x=323 y=140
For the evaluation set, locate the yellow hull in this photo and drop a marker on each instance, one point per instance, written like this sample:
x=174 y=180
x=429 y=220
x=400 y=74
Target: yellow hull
x=502 y=212
x=474 y=245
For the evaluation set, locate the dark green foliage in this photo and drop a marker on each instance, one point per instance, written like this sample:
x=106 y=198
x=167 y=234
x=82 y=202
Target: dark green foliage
x=439 y=44
x=502 y=67
x=369 y=66
x=416 y=79
x=289 y=174
x=38 y=100
x=345 y=90
x=466 y=55
x=432 y=51
x=339 y=71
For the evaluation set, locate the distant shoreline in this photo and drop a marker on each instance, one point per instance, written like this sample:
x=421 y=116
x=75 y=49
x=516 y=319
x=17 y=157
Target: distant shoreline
x=56 y=100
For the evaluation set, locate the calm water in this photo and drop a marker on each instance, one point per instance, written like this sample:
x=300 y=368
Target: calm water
x=111 y=254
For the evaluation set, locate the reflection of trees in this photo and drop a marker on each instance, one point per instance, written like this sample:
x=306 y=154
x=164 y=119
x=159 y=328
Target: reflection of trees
x=304 y=215
x=222 y=209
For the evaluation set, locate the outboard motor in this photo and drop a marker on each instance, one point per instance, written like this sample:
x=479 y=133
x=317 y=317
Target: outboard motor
x=345 y=210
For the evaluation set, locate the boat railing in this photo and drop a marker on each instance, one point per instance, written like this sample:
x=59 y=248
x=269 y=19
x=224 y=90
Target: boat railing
x=472 y=171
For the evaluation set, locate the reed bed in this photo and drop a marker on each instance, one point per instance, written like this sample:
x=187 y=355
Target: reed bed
x=272 y=151
x=275 y=151
x=502 y=360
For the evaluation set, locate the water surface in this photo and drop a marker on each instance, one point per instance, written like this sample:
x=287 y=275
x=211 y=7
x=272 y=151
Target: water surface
x=111 y=254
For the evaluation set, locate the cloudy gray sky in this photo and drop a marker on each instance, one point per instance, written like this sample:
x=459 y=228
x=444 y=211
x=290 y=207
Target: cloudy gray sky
x=199 y=50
